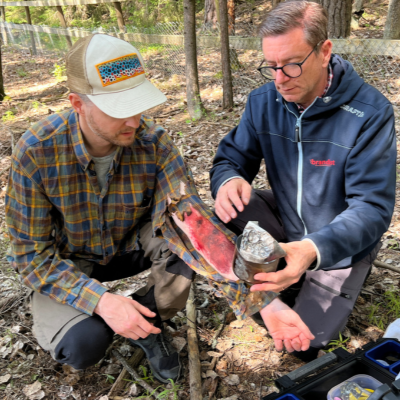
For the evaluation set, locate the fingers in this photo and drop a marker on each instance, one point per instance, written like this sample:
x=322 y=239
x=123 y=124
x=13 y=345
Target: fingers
x=278 y=344
x=296 y=344
x=288 y=345
x=234 y=193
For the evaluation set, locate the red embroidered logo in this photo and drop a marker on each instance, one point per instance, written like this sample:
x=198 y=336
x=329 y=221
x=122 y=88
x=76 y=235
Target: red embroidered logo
x=322 y=163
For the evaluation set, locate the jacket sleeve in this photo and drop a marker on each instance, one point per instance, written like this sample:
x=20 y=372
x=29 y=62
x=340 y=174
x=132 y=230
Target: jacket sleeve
x=29 y=216
x=238 y=154
x=370 y=183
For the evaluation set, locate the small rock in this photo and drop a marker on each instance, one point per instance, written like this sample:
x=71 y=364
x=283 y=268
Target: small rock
x=134 y=390
x=320 y=353
x=355 y=343
x=113 y=369
x=5 y=378
x=232 y=380
x=253 y=385
x=178 y=343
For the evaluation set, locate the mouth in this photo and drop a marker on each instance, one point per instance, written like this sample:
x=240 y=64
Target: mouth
x=286 y=90
x=127 y=134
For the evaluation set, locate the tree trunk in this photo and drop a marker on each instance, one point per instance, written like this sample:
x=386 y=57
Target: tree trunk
x=120 y=16
x=63 y=23
x=392 y=27
x=231 y=17
x=227 y=101
x=275 y=2
x=195 y=106
x=4 y=29
x=2 y=93
x=210 y=14
x=28 y=19
x=339 y=17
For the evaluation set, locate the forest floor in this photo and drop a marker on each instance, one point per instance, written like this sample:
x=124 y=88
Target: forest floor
x=243 y=364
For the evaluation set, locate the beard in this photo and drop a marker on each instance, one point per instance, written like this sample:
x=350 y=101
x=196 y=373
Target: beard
x=111 y=138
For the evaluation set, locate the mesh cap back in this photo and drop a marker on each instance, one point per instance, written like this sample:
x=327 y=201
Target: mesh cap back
x=76 y=69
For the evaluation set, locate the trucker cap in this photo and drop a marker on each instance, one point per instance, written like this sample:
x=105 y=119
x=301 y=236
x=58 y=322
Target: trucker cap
x=111 y=73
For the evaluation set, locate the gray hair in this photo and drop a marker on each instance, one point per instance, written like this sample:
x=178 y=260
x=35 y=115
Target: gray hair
x=307 y=15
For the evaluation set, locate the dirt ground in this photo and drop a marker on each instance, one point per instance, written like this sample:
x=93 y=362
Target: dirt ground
x=242 y=362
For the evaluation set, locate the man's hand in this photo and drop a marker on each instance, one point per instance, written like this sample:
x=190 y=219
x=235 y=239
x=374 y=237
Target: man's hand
x=286 y=327
x=124 y=316
x=235 y=192
x=299 y=256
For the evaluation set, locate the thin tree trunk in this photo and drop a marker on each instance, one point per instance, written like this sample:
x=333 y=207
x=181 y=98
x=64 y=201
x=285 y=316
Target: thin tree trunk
x=193 y=347
x=392 y=27
x=63 y=23
x=28 y=19
x=227 y=101
x=210 y=14
x=4 y=30
x=2 y=93
x=231 y=17
x=195 y=106
x=339 y=17
x=120 y=16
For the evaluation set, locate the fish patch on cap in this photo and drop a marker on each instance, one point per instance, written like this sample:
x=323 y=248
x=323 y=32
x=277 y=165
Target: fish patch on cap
x=119 y=69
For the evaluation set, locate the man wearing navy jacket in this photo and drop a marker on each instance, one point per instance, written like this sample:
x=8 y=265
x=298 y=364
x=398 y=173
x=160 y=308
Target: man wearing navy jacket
x=328 y=141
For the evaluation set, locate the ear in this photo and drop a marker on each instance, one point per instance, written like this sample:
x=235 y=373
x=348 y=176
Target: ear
x=326 y=51
x=77 y=103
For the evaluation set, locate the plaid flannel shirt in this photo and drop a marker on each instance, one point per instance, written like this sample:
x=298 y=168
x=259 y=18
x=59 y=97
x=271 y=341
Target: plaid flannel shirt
x=56 y=212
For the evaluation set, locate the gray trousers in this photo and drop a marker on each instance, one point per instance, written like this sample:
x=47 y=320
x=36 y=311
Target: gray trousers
x=80 y=340
x=323 y=299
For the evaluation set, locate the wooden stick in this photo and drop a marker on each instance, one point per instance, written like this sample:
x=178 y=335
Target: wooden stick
x=135 y=375
x=381 y=264
x=193 y=349
x=120 y=382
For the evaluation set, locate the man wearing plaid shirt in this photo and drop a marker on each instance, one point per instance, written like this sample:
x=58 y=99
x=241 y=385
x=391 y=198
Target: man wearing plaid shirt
x=87 y=202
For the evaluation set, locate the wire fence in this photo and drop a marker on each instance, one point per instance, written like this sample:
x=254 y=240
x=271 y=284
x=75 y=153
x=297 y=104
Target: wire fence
x=376 y=61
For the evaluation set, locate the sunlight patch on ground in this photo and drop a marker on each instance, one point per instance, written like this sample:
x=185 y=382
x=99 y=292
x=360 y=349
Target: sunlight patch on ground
x=23 y=90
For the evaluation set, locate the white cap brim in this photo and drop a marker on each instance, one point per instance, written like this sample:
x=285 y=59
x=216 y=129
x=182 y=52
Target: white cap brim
x=130 y=102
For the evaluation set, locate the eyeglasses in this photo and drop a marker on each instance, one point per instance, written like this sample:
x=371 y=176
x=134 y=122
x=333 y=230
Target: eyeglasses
x=292 y=70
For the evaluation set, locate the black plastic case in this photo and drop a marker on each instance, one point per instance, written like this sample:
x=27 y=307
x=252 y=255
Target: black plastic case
x=342 y=365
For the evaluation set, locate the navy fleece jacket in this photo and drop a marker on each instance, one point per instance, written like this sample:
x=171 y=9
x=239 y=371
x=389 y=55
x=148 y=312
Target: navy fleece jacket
x=332 y=169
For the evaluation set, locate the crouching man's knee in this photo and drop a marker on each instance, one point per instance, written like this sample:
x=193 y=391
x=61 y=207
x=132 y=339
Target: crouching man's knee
x=84 y=344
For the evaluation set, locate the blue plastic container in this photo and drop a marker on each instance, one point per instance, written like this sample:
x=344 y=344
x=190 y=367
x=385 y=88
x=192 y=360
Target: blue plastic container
x=288 y=397
x=395 y=368
x=383 y=350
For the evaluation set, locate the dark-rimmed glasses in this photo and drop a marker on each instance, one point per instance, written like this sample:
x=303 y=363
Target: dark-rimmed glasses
x=292 y=70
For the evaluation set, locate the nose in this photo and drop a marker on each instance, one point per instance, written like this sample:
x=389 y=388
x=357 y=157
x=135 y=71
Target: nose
x=133 y=122
x=281 y=77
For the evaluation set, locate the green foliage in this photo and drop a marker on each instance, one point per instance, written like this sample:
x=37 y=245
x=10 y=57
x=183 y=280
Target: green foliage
x=8 y=116
x=141 y=14
x=36 y=104
x=59 y=72
x=338 y=343
x=21 y=72
x=109 y=378
x=381 y=314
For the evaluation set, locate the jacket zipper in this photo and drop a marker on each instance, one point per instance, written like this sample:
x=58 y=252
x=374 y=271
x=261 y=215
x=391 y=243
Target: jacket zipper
x=300 y=163
x=336 y=292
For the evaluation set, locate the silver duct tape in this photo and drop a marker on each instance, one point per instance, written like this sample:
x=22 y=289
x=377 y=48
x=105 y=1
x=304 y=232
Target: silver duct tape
x=258 y=245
